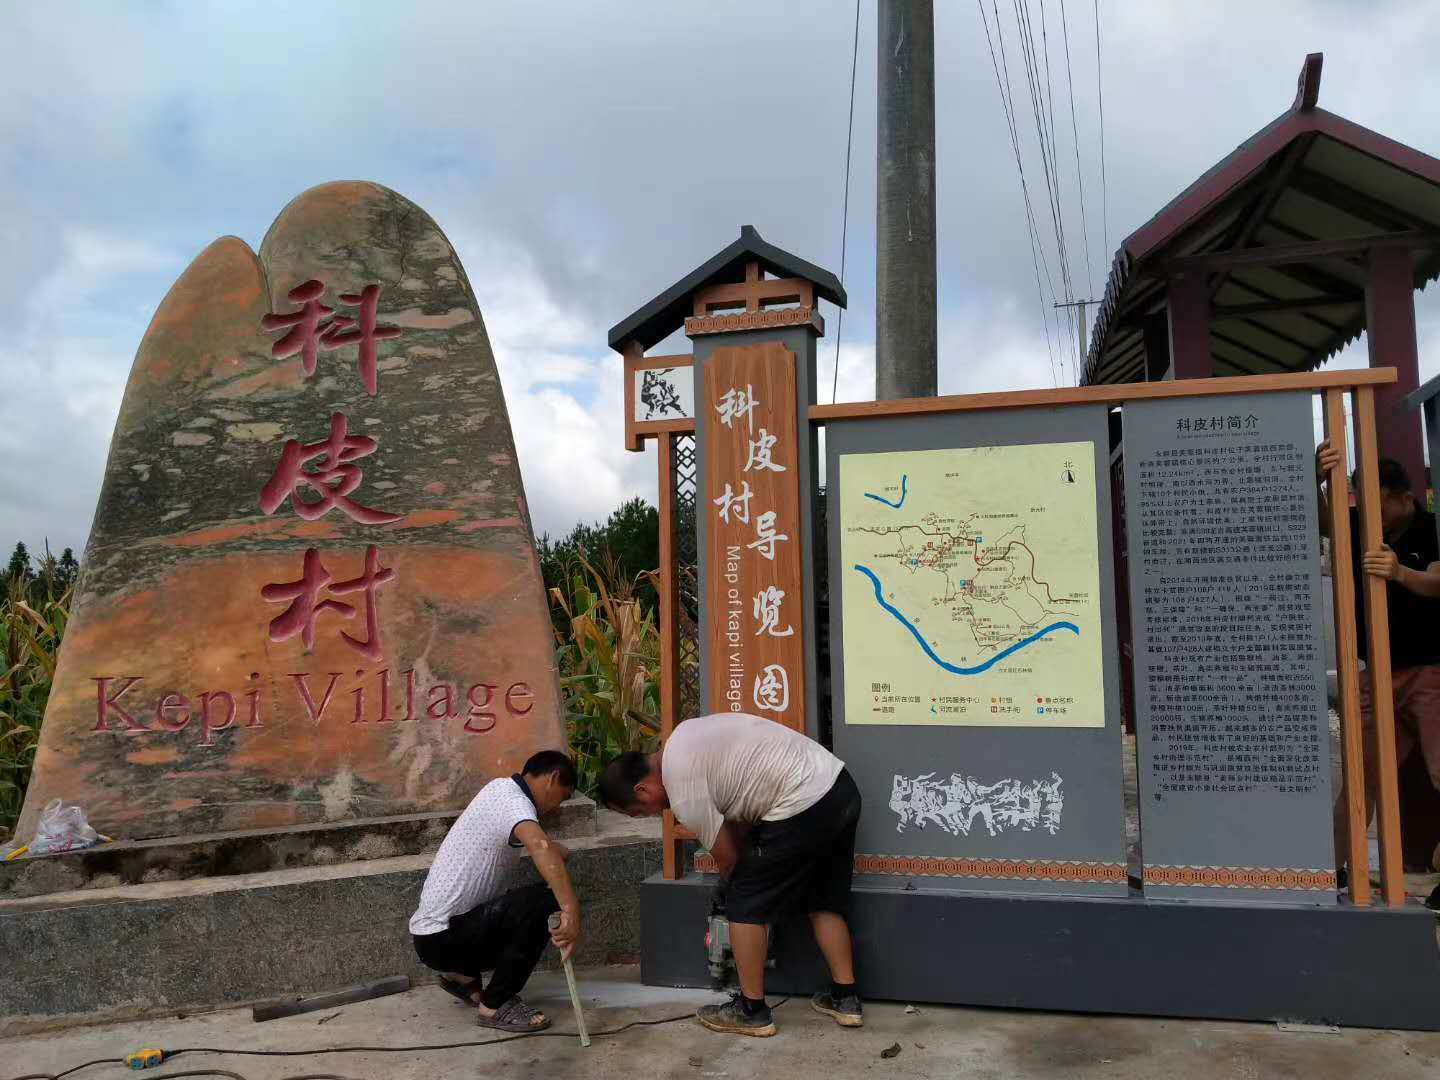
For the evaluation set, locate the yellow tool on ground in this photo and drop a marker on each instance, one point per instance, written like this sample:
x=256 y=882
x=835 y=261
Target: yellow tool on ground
x=145 y=1058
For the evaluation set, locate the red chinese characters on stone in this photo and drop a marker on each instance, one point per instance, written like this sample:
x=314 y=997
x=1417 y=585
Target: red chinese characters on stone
x=316 y=326
x=344 y=331
x=304 y=597
x=304 y=325
x=334 y=477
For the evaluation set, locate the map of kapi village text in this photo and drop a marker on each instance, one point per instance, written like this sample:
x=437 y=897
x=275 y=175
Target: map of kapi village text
x=971 y=586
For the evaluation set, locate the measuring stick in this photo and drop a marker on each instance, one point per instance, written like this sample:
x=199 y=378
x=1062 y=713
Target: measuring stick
x=574 y=993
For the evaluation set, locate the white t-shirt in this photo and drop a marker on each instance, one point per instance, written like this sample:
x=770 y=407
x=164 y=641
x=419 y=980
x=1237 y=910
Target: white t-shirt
x=476 y=858
x=737 y=767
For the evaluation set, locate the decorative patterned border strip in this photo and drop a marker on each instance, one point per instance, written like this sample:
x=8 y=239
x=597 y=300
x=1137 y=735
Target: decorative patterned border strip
x=1215 y=877
x=1009 y=869
x=754 y=320
x=1241 y=877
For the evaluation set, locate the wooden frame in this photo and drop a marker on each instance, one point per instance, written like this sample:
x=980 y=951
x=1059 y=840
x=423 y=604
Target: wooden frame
x=637 y=431
x=1377 y=628
x=1332 y=386
x=753 y=294
x=1107 y=394
x=1347 y=665
x=1280 y=254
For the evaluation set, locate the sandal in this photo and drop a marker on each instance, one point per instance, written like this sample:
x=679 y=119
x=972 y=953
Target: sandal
x=514 y=1016
x=461 y=991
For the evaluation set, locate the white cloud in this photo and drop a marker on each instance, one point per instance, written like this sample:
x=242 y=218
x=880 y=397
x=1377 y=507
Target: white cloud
x=576 y=187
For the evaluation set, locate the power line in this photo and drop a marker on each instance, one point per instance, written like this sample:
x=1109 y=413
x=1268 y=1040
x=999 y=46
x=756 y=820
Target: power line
x=1100 y=93
x=1075 y=138
x=845 y=213
x=1030 y=234
x=1027 y=57
x=1037 y=252
x=1041 y=107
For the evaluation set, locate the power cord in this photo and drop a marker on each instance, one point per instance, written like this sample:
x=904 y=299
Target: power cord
x=172 y=1054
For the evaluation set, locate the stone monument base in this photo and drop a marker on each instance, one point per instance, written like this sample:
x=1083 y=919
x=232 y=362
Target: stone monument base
x=102 y=950
x=1204 y=960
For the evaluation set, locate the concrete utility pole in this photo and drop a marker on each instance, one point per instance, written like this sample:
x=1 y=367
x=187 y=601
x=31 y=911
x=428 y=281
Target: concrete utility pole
x=1080 y=333
x=905 y=334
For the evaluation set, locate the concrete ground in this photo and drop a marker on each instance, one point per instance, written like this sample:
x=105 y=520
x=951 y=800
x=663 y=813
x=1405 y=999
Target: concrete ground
x=932 y=1041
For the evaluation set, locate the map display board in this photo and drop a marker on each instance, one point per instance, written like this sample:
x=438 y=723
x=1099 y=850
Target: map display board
x=974 y=665
x=1232 y=719
x=983 y=566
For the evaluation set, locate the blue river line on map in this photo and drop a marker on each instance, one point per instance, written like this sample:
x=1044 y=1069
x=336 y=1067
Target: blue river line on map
x=893 y=505
x=953 y=669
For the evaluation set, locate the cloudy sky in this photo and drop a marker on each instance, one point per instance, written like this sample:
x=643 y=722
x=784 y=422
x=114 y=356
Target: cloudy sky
x=582 y=156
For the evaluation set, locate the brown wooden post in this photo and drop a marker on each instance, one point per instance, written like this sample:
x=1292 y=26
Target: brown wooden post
x=1390 y=334
x=632 y=352
x=669 y=639
x=1189 y=305
x=1347 y=661
x=1377 y=627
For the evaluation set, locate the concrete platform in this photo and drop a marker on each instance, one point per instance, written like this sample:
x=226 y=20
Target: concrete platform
x=934 y=1041
x=1364 y=968
x=150 y=949
x=253 y=851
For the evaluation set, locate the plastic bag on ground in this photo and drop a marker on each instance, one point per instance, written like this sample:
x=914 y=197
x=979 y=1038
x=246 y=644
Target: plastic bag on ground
x=62 y=828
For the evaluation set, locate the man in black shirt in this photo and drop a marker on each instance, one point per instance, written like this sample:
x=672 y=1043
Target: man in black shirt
x=1409 y=560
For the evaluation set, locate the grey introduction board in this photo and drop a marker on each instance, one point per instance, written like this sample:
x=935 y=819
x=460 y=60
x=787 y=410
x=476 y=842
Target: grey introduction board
x=1227 y=602
x=966 y=804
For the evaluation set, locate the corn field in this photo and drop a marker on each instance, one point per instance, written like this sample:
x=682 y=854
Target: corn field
x=32 y=622
x=609 y=665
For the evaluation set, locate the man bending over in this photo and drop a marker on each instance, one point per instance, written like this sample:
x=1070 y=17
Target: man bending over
x=778 y=813
x=468 y=924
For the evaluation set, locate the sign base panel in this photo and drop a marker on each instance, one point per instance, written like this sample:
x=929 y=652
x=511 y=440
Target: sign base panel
x=1219 y=961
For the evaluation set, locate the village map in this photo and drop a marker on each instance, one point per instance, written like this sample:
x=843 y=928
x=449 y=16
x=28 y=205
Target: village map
x=971 y=587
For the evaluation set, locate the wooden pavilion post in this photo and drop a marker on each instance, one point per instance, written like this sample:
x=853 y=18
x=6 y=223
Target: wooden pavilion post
x=1189 y=325
x=1390 y=335
x=1377 y=628
x=1352 y=739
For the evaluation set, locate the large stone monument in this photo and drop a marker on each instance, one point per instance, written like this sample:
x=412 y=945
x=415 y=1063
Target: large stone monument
x=310 y=592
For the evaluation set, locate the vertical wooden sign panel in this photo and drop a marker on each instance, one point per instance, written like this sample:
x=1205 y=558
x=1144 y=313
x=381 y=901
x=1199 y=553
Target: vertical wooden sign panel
x=752 y=499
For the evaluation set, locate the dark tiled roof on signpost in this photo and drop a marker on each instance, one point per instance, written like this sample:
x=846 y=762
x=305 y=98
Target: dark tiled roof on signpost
x=659 y=318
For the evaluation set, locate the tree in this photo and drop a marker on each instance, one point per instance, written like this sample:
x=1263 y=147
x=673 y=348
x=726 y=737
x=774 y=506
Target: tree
x=631 y=536
x=19 y=567
x=68 y=569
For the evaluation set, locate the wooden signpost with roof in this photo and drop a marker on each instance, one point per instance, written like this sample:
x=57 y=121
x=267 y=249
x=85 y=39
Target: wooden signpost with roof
x=752 y=311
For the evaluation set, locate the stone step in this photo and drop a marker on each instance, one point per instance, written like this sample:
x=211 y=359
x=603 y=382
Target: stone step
x=96 y=955
x=219 y=855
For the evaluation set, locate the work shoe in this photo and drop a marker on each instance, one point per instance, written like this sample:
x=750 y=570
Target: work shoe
x=731 y=1017
x=846 y=1011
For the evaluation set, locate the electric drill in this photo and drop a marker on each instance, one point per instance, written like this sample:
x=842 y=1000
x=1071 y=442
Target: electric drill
x=717 y=944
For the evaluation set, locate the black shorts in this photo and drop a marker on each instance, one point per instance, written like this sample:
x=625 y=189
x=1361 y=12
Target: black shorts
x=802 y=863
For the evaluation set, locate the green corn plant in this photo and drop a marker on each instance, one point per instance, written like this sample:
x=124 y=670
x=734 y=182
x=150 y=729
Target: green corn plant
x=32 y=622
x=608 y=659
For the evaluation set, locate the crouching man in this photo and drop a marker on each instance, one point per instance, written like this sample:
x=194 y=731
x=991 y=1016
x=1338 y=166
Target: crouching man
x=725 y=774
x=467 y=923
